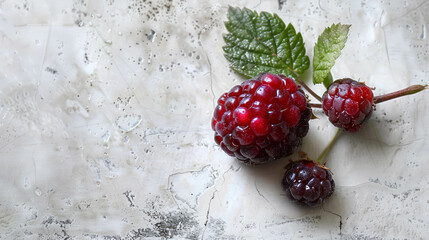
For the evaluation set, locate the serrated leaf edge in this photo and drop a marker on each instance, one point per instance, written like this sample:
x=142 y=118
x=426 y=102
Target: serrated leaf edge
x=289 y=71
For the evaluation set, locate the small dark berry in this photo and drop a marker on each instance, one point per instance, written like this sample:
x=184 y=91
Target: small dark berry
x=308 y=183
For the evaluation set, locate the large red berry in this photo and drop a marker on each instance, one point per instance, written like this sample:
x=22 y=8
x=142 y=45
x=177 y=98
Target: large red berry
x=262 y=119
x=348 y=104
x=307 y=182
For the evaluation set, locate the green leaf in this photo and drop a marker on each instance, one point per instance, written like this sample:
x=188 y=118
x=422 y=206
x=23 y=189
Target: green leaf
x=262 y=43
x=327 y=50
x=328 y=80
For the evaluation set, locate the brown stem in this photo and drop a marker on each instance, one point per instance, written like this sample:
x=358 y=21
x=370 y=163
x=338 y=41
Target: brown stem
x=309 y=90
x=315 y=105
x=400 y=93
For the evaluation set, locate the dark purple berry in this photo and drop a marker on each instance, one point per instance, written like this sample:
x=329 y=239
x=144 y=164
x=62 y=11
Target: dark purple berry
x=308 y=183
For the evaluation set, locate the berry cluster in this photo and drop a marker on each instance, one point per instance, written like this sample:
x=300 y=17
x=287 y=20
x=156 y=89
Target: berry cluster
x=266 y=118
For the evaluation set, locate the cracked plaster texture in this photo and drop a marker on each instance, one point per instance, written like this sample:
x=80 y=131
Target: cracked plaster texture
x=105 y=111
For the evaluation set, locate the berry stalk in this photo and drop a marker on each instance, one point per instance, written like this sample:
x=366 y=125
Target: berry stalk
x=308 y=89
x=400 y=93
x=315 y=105
x=327 y=148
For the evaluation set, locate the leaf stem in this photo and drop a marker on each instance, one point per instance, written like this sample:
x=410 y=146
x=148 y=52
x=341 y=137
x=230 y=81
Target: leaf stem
x=315 y=105
x=400 y=93
x=309 y=90
x=326 y=150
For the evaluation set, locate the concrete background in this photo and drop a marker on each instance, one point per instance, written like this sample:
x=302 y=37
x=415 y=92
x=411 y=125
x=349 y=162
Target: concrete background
x=105 y=111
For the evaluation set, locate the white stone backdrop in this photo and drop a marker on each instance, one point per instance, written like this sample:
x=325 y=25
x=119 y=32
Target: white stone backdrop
x=105 y=109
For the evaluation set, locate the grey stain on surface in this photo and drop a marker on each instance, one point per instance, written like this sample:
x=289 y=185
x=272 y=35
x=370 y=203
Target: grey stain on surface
x=169 y=225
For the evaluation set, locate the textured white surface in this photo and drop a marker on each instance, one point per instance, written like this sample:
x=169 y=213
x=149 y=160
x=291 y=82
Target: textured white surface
x=105 y=111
